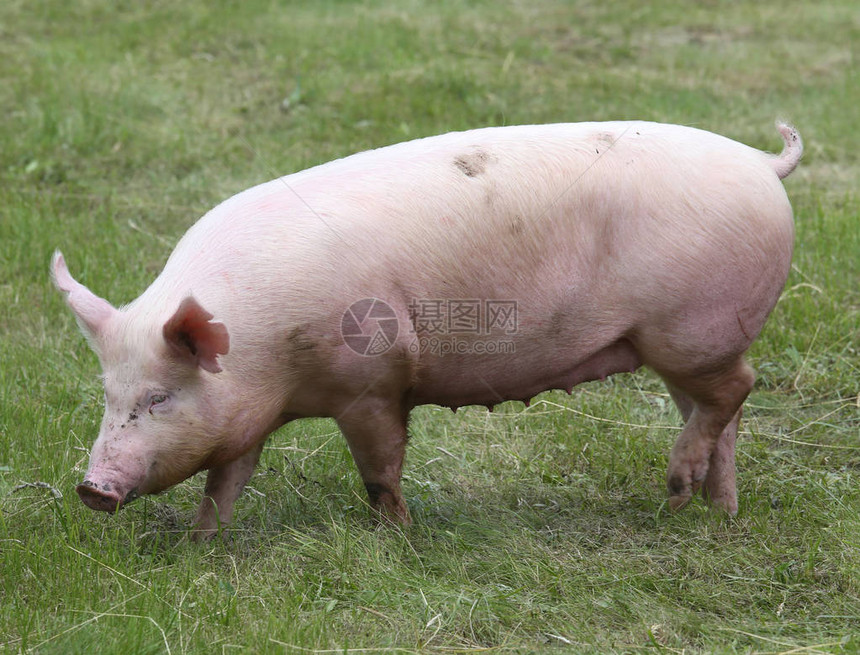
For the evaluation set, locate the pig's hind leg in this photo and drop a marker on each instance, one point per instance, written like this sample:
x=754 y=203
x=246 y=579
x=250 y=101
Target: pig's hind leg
x=375 y=430
x=720 y=487
x=711 y=401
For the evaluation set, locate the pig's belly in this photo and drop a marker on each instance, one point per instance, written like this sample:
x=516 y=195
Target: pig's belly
x=454 y=380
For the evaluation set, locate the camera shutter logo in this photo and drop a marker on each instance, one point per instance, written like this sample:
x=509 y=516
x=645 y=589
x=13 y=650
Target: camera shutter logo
x=369 y=327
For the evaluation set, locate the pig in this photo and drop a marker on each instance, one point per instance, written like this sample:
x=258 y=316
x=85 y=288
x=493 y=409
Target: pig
x=468 y=268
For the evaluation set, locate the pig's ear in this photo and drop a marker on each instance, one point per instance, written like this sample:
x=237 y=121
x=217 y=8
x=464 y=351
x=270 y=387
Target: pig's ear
x=93 y=313
x=193 y=336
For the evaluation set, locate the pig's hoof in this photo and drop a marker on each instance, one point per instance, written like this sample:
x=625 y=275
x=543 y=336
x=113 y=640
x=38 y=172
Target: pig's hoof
x=720 y=491
x=397 y=515
x=683 y=482
x=681 y=491
x=202 y=536
x=388 y=504
x=203 y=532
x=727 y=503
x=393 y=518
x=729 y=508
x=677 y=503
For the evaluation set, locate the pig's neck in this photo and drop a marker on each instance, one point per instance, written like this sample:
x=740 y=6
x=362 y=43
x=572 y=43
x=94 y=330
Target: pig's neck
x=251 y=415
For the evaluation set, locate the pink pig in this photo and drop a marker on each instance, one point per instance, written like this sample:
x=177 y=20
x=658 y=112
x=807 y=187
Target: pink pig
x=468 y=268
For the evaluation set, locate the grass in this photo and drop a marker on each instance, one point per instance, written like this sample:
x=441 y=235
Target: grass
x=536 y=530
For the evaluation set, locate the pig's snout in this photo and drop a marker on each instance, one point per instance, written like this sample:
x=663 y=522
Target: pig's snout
x=102 y=498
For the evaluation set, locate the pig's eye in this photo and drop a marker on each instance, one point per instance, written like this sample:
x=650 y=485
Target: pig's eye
x=157 y=399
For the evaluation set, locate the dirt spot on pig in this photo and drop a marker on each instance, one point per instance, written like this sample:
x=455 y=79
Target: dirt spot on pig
x=603 y=141
x=557 y=323
x=299 y=340
x=517 y=225
x=474 y=163
x=305 y=348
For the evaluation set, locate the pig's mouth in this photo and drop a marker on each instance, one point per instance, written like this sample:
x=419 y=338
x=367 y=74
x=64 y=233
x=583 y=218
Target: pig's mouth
x=103 y=498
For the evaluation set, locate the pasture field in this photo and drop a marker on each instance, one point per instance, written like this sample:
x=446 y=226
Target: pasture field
x=539 y=529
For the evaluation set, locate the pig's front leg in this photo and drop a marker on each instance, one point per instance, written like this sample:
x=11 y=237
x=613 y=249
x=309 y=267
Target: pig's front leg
x=223 y=486
x=375 y=430
x=720 y=487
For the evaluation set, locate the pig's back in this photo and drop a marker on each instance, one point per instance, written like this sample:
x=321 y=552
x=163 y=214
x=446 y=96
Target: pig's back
x=551 y=214
x=490 y=180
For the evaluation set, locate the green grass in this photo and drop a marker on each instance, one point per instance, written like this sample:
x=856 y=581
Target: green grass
x=536 y=530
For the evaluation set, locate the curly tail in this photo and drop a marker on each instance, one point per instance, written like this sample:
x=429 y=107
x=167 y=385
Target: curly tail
x=788 y=159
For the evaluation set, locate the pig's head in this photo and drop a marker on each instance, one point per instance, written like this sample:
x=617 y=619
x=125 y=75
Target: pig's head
x=159 y=366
